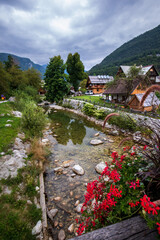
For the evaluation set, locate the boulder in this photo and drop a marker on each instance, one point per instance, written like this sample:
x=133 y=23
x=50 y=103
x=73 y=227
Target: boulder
x=95 y=142
x=12 y=99
x=100 y=167
x=78 y=169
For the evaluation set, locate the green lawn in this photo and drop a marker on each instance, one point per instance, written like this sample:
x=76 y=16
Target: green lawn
x=7 y=134
x=94 y=99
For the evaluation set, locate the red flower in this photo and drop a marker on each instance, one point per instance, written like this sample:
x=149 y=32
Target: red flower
x=123 y=157
x=145 y=147
x=134 y=204
x=149 y=206
x=137 y=182
x=158 y=227
x=133 y=184
x=114 y=155
x=133 y=153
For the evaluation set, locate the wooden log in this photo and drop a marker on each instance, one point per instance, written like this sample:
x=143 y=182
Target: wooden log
x=43 y=204
x=131 y=229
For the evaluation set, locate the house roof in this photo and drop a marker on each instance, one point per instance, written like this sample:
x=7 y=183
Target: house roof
x=121 y=87
x=143 y=70
x=148 y=100
x=100 y=79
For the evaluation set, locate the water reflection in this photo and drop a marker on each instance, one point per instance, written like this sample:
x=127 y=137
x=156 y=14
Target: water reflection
x=67 y=128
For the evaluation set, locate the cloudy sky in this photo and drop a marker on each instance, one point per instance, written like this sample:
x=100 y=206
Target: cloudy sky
x=41 y=29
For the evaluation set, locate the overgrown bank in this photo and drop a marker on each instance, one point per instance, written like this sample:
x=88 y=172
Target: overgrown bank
x=19 y=190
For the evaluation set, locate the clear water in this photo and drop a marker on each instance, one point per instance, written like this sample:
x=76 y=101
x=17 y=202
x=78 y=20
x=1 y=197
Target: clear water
x=71 y=144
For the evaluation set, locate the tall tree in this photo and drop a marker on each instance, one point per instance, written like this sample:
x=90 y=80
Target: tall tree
x=75 y=69
x=5 y=79
x=55 y=82
x=34 y=77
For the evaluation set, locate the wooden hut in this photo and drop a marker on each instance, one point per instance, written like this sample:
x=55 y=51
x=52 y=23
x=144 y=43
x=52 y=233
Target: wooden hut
x=151 y=102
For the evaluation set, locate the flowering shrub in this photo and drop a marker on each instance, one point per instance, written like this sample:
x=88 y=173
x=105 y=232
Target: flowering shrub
x=117 y=195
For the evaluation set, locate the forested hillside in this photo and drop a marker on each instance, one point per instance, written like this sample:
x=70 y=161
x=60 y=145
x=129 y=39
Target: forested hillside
x=24 y=63
x=142 y=50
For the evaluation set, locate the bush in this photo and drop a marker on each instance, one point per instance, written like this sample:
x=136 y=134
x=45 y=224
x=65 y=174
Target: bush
x=89 y=109
x=100 y=114
x=33 y=119
x=124 y=122
x=117 y=195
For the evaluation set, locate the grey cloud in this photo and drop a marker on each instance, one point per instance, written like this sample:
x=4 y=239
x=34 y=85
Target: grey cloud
x=19 y=4
x=92 y=28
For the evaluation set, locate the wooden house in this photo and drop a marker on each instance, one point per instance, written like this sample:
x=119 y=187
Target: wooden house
x=150 y=71
x=97 y=83
x=150 y=102
x=120 y=91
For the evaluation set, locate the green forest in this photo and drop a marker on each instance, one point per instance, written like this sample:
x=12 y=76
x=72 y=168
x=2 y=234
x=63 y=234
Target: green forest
x=142 y=50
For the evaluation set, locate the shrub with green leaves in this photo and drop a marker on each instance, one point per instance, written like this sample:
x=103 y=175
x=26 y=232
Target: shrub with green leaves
x=89 y=109
x=100 y=114
x=33 y=119
x=124 y=122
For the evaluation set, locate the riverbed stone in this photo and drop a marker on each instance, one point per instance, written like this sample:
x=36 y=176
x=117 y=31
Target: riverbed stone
x=96 y=134
x=100 y=167
x=58 y=170
x=79 y=207
x=96 y=142
x=53 y=212
x=114 y=133
x=37 y=228
x=77 y=203
x=71 y=228
x=73 y=175
x=57 y=198
x=55 y=223
x=61 y=235
x=78 y=169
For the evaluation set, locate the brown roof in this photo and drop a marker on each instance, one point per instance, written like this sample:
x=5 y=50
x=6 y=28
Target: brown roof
x=121 y=87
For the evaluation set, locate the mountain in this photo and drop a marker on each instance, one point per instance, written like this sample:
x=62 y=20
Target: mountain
x=24 y=63
x=142 y=50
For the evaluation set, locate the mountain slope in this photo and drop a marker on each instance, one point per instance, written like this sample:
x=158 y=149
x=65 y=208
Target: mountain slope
x=24 y=63
x=141 y=50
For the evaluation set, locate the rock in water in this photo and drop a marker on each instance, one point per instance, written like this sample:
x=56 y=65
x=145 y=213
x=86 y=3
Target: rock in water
x=53 y=212
x=61 y=235
x=96 y=142
x=71 y=228
x=100 y=167
x=78 y=169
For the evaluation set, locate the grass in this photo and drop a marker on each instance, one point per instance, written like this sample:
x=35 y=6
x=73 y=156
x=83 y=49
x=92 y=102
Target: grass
x=17 y=218
x=95 y=100
x=8 y=134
